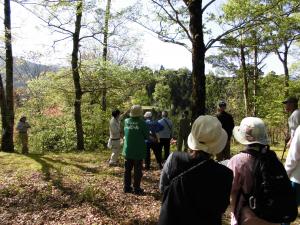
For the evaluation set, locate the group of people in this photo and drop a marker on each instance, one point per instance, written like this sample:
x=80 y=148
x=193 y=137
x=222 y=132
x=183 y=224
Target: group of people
x=141 y=135
x=160 y=134
x=197 y=189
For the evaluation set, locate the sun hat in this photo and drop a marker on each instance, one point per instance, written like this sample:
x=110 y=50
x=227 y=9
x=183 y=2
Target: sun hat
x=290 y=99
x=136 y=111
x=251 y=130
x=148 y=114
x=207 y=135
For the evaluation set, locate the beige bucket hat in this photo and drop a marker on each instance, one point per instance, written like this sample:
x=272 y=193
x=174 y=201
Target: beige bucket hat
x=136 y=111
x=207 y=135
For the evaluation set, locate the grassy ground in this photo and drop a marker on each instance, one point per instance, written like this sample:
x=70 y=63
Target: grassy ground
x=74 y=188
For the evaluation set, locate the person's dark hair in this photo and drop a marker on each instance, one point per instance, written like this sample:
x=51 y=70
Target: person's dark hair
x=222 y=104
x=291 y=100
x=164 y=113
x=115 y=113
x=23 y=119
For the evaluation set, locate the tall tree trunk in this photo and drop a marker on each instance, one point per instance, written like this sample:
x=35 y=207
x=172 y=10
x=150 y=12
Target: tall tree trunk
x=104 y=56
x=245 y=79
x=76 y=77
x=284 y=60
x=198 y=57
x=286 y=71
x=255 y=78
x=8 y=113
x=3 y=111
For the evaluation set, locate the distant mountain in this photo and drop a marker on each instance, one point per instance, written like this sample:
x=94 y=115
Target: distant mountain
x=25 y=70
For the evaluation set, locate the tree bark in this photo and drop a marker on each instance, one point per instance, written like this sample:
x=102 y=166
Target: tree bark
x=284 y=60
x=104 y=56
x=245 y=78
x=255 y=77
x=8 y=113
x=198 y=57
x=3 y=111
x=76 y=77
x=286 y=71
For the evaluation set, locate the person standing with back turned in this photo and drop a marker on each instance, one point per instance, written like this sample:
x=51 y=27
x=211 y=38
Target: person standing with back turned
x=165 y=135
x=196 y=189
x=246 y=201
x=134 y=149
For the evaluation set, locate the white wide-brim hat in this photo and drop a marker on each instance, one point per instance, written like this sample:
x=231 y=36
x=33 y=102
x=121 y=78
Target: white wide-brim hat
x=136 y=111
x=207 y=135
x=252 y=130
x=148 y=114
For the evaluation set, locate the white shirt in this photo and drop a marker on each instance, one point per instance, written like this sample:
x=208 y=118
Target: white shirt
x=292 y=162
x=294 y=122
x=114 y=128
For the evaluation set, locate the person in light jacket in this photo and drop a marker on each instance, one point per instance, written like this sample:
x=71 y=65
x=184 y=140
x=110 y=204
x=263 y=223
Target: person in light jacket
x=115 y=138
x=292 y=164
x=165 y=134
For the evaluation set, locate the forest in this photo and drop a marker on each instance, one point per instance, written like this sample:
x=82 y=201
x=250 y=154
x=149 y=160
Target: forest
x=69 y=105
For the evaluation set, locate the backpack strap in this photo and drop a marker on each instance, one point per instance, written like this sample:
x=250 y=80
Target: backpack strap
x=166 y=122
x=190 y=169
x=256 y=152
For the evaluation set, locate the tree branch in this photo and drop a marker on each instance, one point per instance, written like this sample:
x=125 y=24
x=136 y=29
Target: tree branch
x=207 y=5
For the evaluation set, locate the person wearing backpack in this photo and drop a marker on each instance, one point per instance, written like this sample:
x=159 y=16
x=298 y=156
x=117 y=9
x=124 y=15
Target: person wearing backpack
x=292 y=164
x=261 y=192
x=196 y=189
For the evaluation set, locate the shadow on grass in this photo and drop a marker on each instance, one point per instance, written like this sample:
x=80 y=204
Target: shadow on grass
x=93 y=170
x=61 y=192
x=76 y=194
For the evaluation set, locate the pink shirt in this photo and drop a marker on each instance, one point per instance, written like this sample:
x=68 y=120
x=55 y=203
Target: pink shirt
x=241 y=165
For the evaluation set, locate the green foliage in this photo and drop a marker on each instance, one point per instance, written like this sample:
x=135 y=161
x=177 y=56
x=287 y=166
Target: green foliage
x=162 y=96
x=48 y=104
x=216 y=90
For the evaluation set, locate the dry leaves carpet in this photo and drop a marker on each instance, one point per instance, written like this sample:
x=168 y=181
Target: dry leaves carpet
x=73 y=188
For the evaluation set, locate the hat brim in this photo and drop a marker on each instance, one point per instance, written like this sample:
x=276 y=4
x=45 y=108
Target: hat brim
x=136 y=114
x=242 y=139
x=211 y=148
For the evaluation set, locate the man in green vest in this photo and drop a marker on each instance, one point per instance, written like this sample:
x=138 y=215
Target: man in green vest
x=134 y=149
